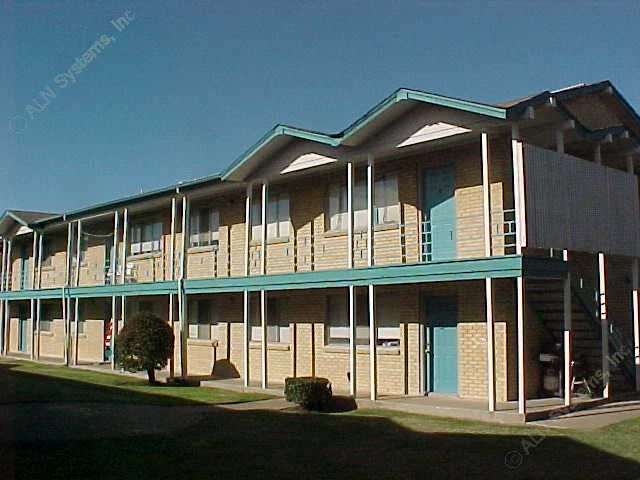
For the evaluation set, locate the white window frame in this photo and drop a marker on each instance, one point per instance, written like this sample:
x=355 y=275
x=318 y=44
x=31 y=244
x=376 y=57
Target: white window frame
x=278 y=329
x=278 y=218
x=146 y=237
x=210 y=235
x=386 y=204
x=337 y=321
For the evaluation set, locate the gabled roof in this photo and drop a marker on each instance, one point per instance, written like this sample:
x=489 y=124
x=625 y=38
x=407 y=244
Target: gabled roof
x=14 y=219
x=509 y=109
x=336 y=139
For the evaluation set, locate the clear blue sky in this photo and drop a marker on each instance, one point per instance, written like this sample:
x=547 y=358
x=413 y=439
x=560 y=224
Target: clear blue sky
x=188 y=86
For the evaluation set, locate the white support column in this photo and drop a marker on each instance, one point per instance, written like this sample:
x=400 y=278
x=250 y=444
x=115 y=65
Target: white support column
x=172 y=244
x=65 y=300
x=3 y=270
x=265 y=200
x=7 y=306
x=246 y=336
x=76 y=333
x=114 y=256
x=636 y=320
x=34 y=262
x=486 y=194
x=517 y=200
x=125 y=233
x=114 y=321
x=78 y=253
x=40 y=248
x=7 y=315
x=370 y=212
x=373 y=340
x=491 y=366
x=182 y=300
x=38 y=313
x=247 y=230
x=263 y=334
x=32 y=329
x=353 y=371
x=567 y=334
x=2 y=323
x=65 y=315
x=604 y=324
x=350 y=214
x=520 y=313
x=172 y=365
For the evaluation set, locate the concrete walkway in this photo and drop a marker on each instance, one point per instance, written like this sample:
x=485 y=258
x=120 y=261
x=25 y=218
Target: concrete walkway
x=596 y=417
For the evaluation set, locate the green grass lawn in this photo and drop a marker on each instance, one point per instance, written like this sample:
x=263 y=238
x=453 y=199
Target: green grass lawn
x=26 y=382
x=371 y=444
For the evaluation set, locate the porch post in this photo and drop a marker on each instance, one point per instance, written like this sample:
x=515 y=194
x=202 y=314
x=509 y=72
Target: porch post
x=491 y=372
x=246 y=331
x=114 y=266
x=264 y=320
x=65 y=301
x=373 y=340
x=77 y=330
x=38 y=313
x=2 y=324
x=247 y=230
x=350 y=214
x=265 y=199
x=370 y=197
x=520 y=306
x=172 y=245
x=182 y=300
x=34 y=256
x=39 y=275
x=604 y=324
x=34 y=251
x=114 y=320
x=517 y=200
x=78 y=253
x=636 y=321
x=125 y=233
x=567 y=334
x=353 y=389
x=172 y=365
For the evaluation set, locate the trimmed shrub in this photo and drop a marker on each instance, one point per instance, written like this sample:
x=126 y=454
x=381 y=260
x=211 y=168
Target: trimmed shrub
x=145 y=343
x=311 y=393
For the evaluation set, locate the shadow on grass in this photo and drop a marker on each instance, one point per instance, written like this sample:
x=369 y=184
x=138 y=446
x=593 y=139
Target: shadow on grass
x=265 y=444
x=20 y=386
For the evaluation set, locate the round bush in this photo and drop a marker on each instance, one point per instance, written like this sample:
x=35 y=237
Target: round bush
x=311 y=393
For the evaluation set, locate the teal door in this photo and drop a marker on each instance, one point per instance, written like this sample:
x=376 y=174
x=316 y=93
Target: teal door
x=439 y=207
x=442 y=345
x=24 y=268
x=23 y=330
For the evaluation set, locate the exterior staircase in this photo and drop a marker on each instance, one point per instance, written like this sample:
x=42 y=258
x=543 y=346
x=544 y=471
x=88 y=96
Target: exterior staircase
x=546 y=299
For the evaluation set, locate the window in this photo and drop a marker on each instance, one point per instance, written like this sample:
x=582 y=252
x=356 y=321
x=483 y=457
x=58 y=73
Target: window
x=278 y=221
x=386 y=204
x=146 y=237
x=277 y=325
x=47 y=252
x=338 y=320
x=203 y=322
x=45 y=318
x=337 y=332
x=205 y=223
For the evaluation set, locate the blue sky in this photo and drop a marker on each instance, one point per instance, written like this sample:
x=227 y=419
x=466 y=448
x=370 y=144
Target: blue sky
x=186 y=87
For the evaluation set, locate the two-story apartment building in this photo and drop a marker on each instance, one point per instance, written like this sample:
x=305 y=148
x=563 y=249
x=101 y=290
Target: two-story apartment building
x=436 y=245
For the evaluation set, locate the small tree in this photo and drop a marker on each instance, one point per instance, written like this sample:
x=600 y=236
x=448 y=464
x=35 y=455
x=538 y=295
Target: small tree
x=145 y=343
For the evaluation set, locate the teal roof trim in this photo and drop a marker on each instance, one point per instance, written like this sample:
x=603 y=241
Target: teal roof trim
x=334 y=140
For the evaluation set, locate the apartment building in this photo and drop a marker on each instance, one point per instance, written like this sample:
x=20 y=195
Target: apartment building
x=436 y=245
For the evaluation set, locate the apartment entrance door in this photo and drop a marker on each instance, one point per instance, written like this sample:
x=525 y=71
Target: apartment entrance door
x=439 y=207
x=442 y=344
